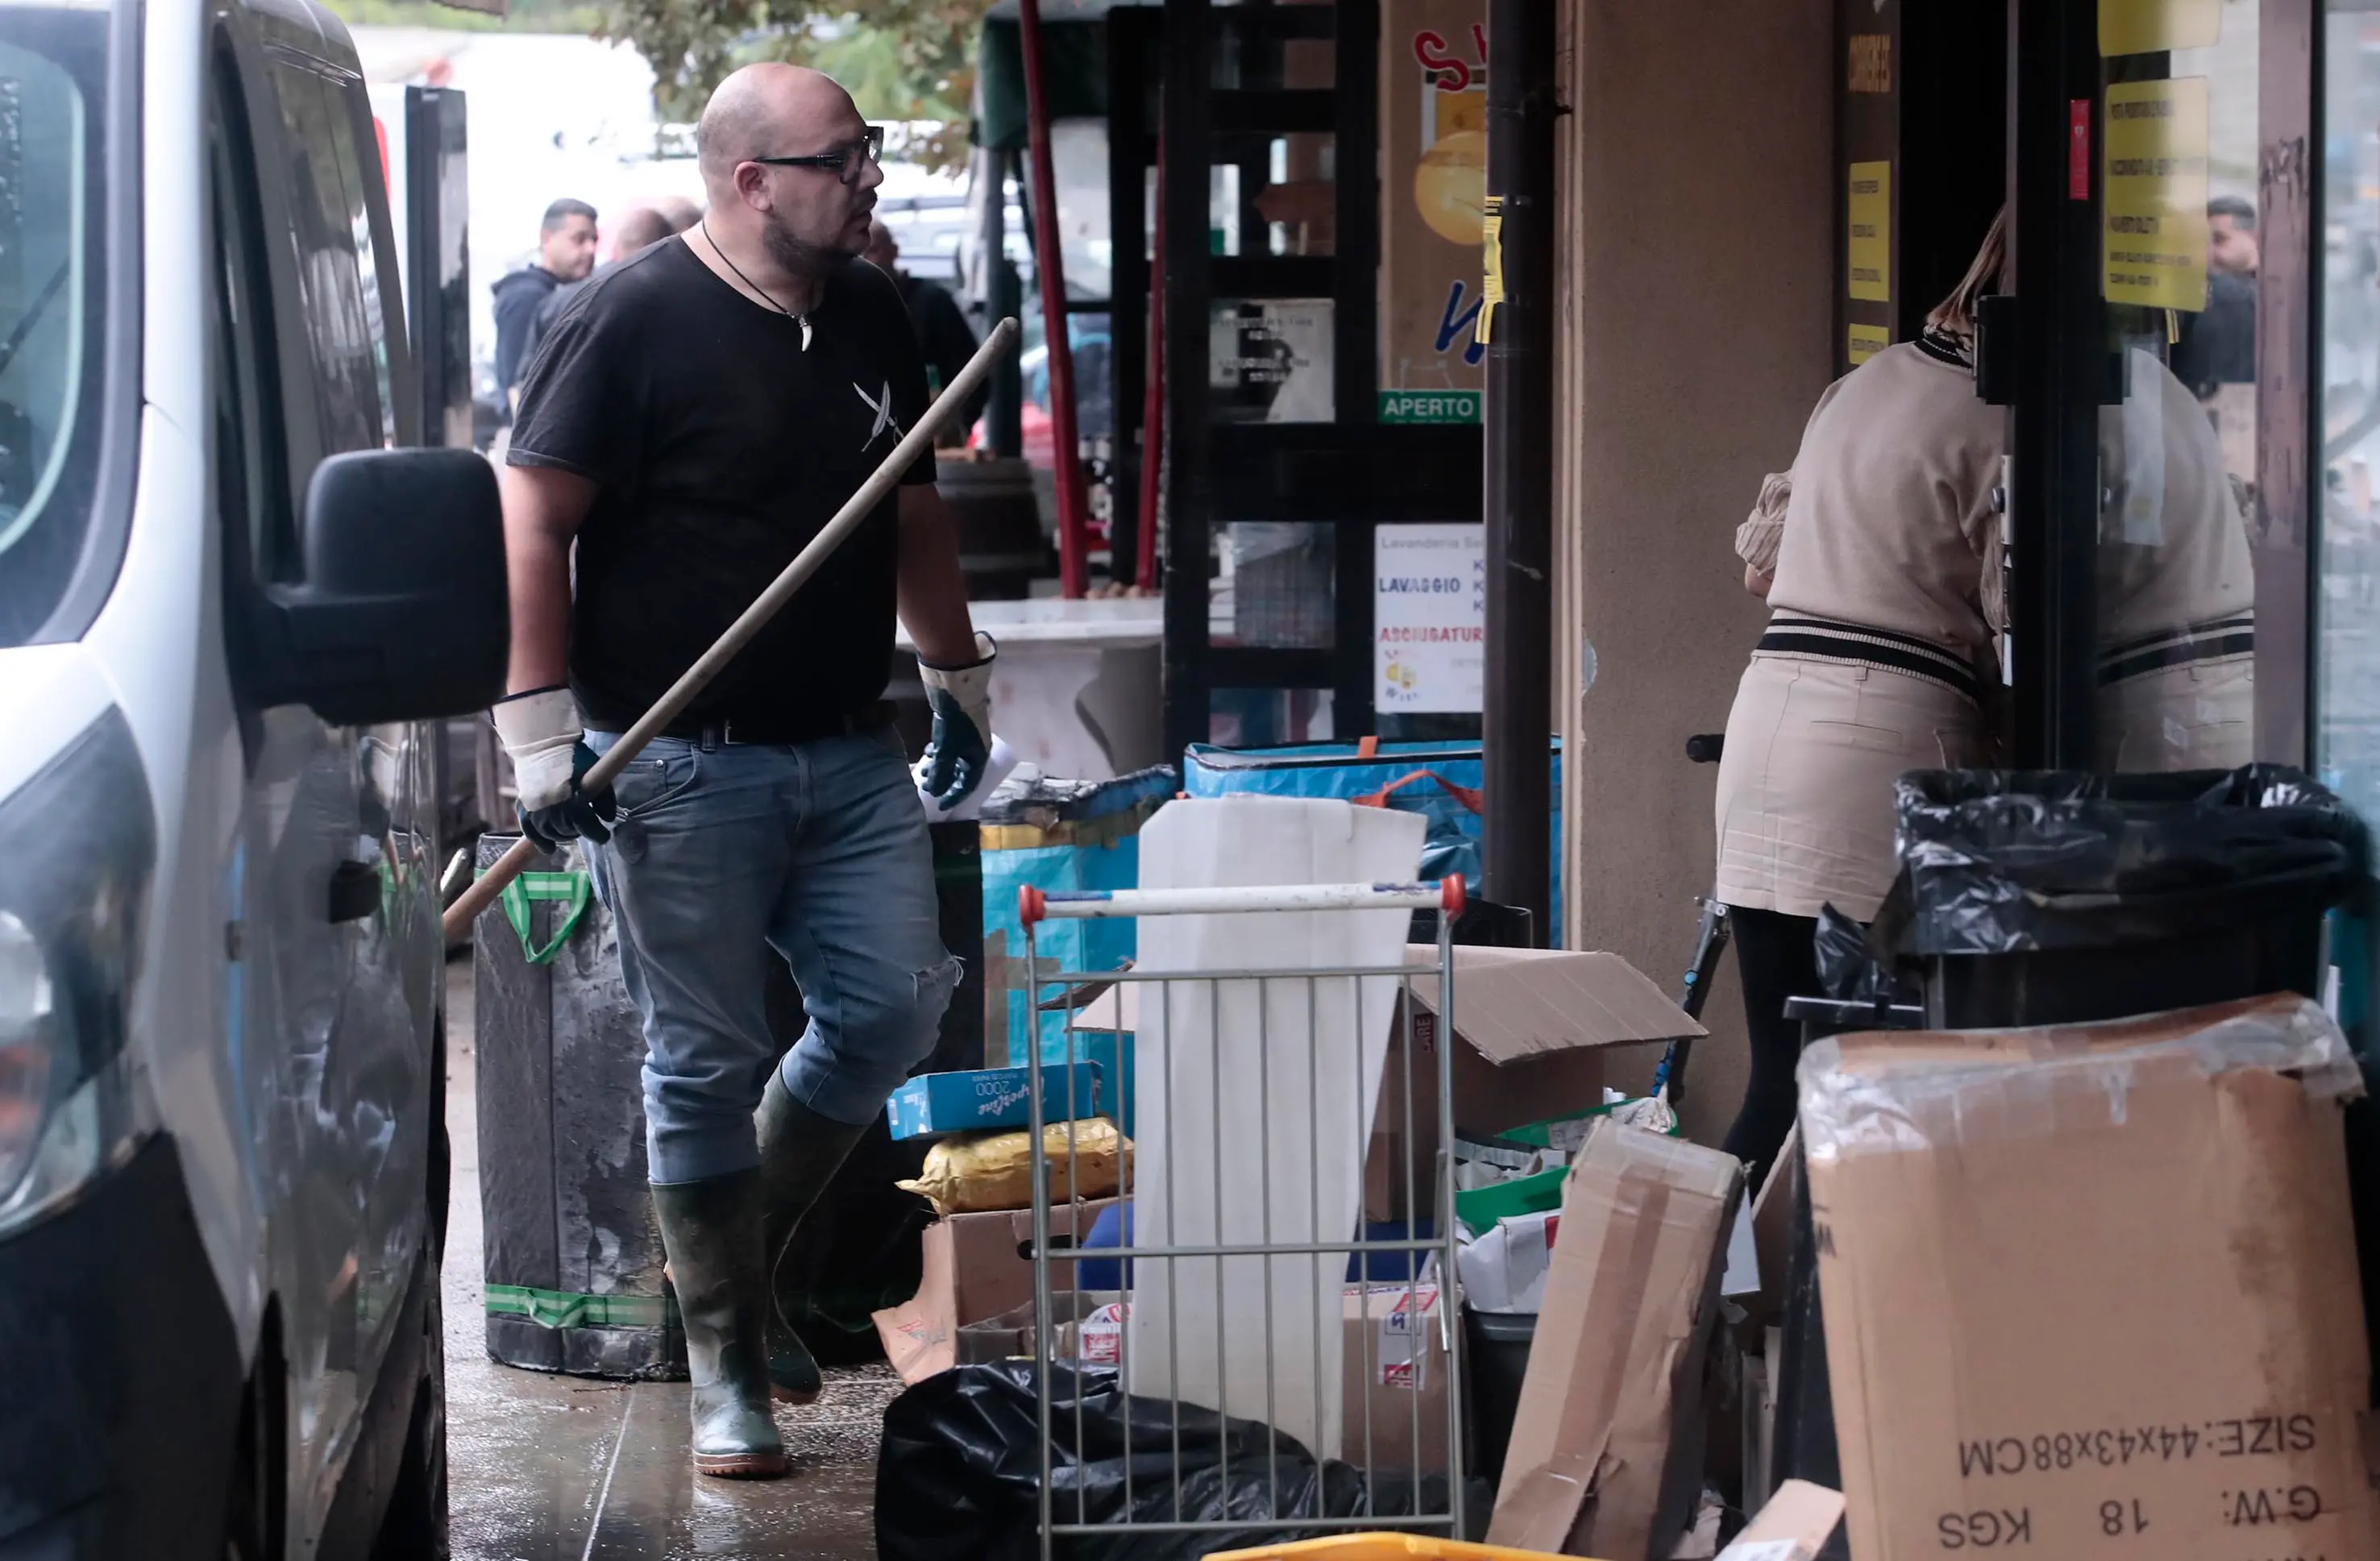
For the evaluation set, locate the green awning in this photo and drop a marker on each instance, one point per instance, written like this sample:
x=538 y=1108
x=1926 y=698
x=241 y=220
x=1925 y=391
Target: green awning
x=1074 y=45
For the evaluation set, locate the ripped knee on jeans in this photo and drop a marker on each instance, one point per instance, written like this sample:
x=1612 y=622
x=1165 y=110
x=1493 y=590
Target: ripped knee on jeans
x=930 y=991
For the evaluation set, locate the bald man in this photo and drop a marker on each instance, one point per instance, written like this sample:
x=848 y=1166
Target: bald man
x=688 y=426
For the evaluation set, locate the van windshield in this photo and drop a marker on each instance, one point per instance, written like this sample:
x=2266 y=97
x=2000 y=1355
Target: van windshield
x=52 y=300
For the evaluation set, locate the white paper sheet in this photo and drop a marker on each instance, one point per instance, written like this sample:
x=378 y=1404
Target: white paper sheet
x=1254 y=1106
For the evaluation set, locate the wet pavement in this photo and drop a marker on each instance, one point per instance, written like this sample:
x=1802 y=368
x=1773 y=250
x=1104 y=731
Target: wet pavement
x=562 y=1469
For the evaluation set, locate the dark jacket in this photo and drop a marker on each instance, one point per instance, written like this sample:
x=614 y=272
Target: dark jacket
x=517 y=297
x=2218 y=345
x=945 y=337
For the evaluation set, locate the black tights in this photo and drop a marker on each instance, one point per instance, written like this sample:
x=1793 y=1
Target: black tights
x=1776 y=959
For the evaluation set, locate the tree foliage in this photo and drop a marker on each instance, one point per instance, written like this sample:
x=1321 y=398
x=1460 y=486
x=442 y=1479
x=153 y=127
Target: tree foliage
x=903 y=60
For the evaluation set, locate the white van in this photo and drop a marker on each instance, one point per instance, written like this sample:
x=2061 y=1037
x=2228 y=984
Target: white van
x=229 y=597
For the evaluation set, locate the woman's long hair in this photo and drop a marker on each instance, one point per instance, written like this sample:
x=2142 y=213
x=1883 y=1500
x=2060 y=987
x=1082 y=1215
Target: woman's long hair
x=1955 y=316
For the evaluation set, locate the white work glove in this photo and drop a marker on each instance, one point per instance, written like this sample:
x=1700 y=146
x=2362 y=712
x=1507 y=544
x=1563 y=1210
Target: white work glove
x=961 y=747
x=543 y=736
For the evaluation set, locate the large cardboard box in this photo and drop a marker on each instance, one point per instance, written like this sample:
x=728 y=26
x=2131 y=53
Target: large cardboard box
x=1433 y=198
x=2091 y=1292
x=976 y=1268
x=1606 y=1455
x=1535 y=1025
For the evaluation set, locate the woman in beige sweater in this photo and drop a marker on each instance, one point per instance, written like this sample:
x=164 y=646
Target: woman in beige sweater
x=1878 y=554
x=1880 y=557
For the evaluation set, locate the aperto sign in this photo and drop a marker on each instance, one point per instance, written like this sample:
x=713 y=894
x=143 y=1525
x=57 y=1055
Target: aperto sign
x=1429 y=406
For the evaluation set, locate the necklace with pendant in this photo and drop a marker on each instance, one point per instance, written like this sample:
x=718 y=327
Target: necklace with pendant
x=801 y=319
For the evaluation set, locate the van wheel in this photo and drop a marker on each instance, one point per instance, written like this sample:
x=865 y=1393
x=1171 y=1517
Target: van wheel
x=415 y=1526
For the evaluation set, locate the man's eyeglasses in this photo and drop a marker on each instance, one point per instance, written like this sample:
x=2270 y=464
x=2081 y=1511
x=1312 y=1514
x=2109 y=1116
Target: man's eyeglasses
x=845 y=163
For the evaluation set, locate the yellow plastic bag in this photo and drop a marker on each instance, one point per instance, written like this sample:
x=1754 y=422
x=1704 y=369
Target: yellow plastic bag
x=985 y=1172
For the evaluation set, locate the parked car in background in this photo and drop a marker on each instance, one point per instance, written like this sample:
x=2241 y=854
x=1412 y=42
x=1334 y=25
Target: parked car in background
x=232 y=600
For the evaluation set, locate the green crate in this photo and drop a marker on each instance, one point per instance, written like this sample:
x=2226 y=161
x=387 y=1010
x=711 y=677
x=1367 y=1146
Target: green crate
x=1479 y=1209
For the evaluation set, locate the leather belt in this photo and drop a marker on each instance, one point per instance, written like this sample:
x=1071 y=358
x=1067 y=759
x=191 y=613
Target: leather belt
x=774 y=732
x=1864 y=647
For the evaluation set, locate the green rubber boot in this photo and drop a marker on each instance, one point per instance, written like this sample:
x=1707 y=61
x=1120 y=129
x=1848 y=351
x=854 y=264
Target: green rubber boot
x=711 y=1231
x=800 y=1152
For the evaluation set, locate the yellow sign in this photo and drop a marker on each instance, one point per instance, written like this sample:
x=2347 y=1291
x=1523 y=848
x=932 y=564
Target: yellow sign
x=2156 y=173
x=1491 y=279
x=2140 y=27
x=1871 y=246
x=1867 y=340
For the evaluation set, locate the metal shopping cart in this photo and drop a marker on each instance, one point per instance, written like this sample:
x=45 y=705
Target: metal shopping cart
x=1281 y=1094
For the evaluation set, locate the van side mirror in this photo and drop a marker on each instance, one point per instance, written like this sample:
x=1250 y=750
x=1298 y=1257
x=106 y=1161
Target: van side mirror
x=401 y=614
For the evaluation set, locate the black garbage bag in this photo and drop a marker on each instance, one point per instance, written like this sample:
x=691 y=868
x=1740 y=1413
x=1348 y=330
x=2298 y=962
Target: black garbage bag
x=958 y=1478
x=2004 y=862
x=1851 y=969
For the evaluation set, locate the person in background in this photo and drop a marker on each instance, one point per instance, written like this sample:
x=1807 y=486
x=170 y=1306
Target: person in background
x=1878 y=554
x=942 y=332
x=639 y=228
x=565 y=252
x=682 y=212
x=2231 y=236
x=2217 y=346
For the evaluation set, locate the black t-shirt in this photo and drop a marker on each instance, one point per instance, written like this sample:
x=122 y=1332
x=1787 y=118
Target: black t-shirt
x=720 y=447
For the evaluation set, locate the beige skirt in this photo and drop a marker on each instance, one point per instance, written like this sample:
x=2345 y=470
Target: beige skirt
x=2198 y=716
x=1814 y=745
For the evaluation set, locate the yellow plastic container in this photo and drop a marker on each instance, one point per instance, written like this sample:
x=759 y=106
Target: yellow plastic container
x=1383 y=1547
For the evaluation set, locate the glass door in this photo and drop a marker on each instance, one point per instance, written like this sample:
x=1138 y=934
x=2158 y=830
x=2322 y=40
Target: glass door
x=2158 y=578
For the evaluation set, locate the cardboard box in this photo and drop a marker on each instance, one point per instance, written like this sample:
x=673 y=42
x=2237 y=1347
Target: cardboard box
x=1396 y=1361
x=1535 y=1025
x=2091 y=1292
x=1090 y=1329
x=1433 y=199
x=979 y=1098
x=1606 y=1455
x=976 y=1268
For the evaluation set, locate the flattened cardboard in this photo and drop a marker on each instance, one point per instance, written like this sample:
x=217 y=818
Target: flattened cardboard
x=975 y=1268
x=1772 y=1236
x=2091 y=1292
x=1605 y=1457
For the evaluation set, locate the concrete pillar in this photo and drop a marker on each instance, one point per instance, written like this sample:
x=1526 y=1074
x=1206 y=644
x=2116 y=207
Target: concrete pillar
x=1698 y=323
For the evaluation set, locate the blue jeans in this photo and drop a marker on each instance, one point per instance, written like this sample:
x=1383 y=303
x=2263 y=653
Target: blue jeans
x=720 y=855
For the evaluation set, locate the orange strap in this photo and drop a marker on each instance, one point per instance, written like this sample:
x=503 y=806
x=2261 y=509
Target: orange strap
x=1469 y=796
x=1367 y=747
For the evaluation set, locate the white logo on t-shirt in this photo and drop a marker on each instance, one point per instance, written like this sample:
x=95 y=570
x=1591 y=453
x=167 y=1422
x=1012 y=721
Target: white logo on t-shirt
x=883 y=410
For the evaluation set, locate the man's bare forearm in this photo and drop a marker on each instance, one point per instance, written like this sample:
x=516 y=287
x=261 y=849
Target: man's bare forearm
x=933 y=595
x=543 y=510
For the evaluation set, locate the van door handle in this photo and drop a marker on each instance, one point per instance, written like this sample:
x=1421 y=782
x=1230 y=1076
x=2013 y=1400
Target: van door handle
x=355 y=892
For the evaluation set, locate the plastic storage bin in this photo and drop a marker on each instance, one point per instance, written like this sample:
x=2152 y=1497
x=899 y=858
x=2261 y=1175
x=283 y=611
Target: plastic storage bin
x=1498 y=1344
